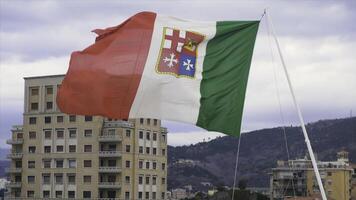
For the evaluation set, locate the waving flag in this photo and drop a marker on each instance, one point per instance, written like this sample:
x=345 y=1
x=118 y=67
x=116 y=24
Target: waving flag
x=154 y=66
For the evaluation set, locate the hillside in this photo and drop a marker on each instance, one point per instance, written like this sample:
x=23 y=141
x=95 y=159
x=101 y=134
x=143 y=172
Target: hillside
x=214 y=161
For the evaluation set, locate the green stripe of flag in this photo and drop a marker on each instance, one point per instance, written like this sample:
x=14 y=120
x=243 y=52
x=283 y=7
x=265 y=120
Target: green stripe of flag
x=225 y=73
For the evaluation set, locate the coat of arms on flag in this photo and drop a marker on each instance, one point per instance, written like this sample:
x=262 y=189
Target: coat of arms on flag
x=178 y=53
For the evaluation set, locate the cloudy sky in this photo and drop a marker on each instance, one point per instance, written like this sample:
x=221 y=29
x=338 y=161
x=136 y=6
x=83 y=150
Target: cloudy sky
x=318 y=40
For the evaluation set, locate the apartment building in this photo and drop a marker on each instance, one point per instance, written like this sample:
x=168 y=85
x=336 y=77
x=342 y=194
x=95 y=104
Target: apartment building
x=55 y=155
x=296 y=178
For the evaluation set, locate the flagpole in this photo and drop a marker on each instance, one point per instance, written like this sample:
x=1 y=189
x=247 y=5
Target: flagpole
x=307 y=141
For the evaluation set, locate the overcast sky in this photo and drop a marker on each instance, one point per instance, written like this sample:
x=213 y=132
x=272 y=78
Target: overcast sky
x=317 y=40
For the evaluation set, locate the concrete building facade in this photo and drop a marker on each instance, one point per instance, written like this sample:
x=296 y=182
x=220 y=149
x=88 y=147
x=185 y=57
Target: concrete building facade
x=296 y=178
x=55 y=155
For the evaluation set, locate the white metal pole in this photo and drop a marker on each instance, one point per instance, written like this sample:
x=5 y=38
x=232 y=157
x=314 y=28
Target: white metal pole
x=307 y=141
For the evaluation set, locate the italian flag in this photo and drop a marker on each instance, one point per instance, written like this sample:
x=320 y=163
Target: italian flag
x=154 y=66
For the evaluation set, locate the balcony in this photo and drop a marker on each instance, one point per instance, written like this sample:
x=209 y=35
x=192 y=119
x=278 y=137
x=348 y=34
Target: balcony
x=13 y=170
x=14 y=141
x=109 y=185
x=107 y=169
x=118 y=124
x=110 y=138
x=14 y=156
x=13 y=185
x=109 y=153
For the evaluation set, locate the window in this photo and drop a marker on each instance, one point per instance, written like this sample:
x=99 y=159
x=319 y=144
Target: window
x=59 y=148
x=163 y=181
x=148 y=135
x=47 y=120
x=46 y=194
x=163 y=152
x=88 y=133
x=147 y=195
x=60 y=119
x=32 y=120
x=86 y=194
x=87 y=163
x=31 y=149
x=147 y=180
x=32 y=135
x=162 y=195
x=72 y=133
x=72 y=163
x=47 y=163
x=59 y=163
x=47 y=134
x=31 y=164
x=127 y=164
x=154 y=165
x=329 y=174
x=88 y=148
x=71 y=179
x=58 y=179
x=47 y=149
x=163 y=166
x=88 y=118
x=49 y=105
x=72 y=118
x=154 y=180
x=18 y=164
x=140 y=164
x=71 y=194
x=31 y=179
x=60 y=134
x=154 y=195
x=72 y=148
x=148 y=121
x=147 y=165
x=49 y=90
x=31 y=193
x=141 y=120
x=163 y=137
x=128 y=133
x=147 y=150
x=59 y=194
x=34 y=91
x=154 y=151
x=128 y=148
x=127 y=179
x=112 y=163
x=127 y=195
x=140 y=180
x=155 y=122
x=140 y=134
x=140 y=149
x=154 y=136
x=87 y=179
x=139 y=195
x=34 y=106
x=46 y=179
x=19 y=135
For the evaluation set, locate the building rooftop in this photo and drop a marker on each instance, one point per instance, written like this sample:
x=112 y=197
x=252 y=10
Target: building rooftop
x=45 y=76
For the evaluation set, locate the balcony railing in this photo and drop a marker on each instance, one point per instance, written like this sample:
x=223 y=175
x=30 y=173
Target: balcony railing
x=109 y=153
x=107 y=169
x=118 y=124
x=110 y=138
x=14 y=155
x=111 y=185
x=13 y=170
x=14 y=141
x=13 y=185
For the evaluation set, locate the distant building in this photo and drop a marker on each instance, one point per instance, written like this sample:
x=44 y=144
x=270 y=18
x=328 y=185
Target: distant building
x=55 y=155
x=179 y=193
x=296 y=178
